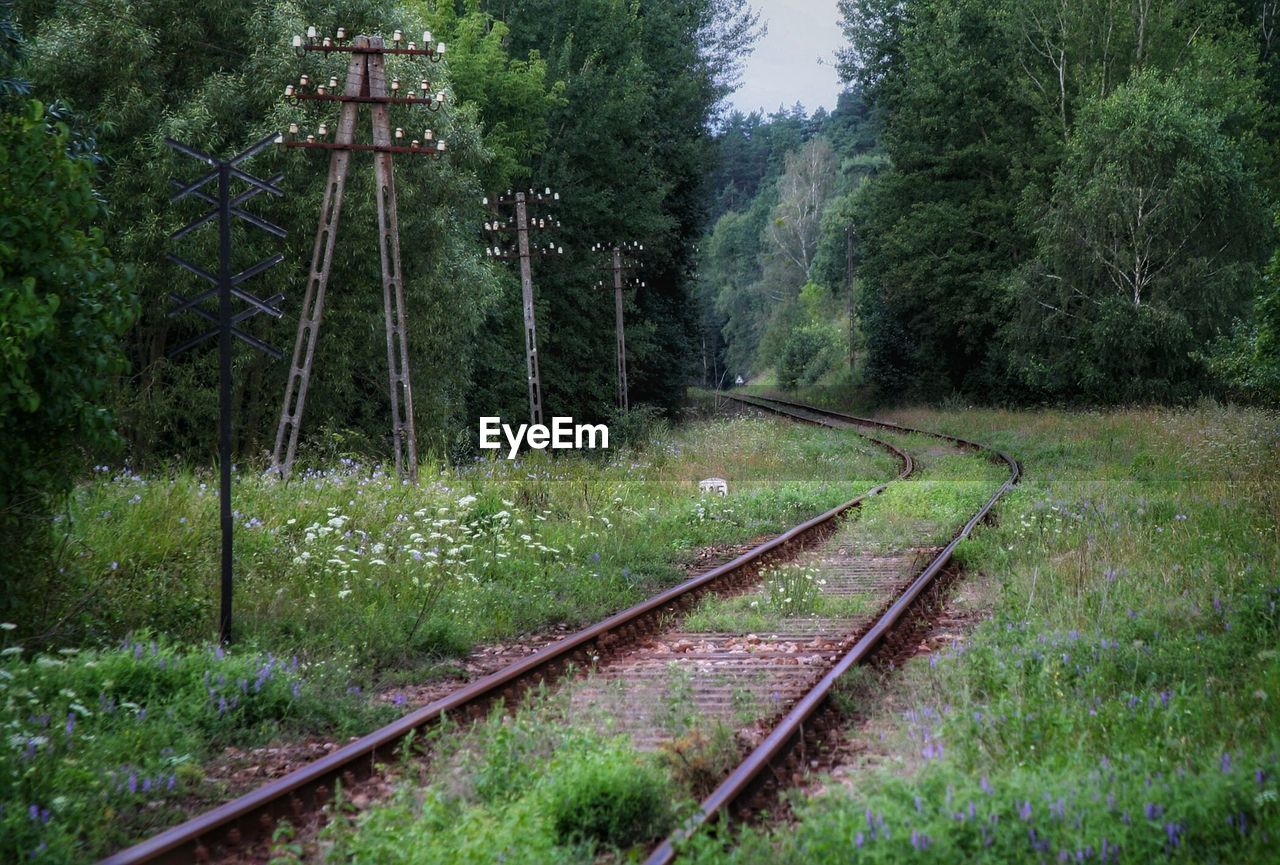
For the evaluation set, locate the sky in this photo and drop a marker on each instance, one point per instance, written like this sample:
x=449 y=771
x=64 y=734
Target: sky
x=784 y=68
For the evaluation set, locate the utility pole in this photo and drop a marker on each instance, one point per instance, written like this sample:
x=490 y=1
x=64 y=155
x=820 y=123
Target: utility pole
x=618 y=266
x=849 y=234
x=366 y=84
x=226 y=290
x=524 y=252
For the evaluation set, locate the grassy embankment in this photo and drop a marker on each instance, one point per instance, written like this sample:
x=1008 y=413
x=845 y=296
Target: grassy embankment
x=111 y=697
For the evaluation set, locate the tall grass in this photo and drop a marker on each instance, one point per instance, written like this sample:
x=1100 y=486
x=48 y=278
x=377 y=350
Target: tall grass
x=112 y=701
x=1120 y=704
x=351 y=562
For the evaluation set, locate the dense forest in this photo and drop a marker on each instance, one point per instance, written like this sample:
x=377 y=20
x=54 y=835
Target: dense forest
x=1041 y=201
x=608 y=102
x=1015 y=202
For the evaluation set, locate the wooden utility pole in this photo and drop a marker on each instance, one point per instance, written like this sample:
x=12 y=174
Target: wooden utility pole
x=618 y=266
x=366 y=83
x=524 y=251
x=623 y=402
x=849 y=234
x=530 y=321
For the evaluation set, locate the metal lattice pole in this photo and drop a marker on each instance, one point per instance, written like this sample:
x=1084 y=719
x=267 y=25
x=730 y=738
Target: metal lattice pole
x=226 y=290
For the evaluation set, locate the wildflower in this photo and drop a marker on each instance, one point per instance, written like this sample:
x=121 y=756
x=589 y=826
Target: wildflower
x=1226 y=764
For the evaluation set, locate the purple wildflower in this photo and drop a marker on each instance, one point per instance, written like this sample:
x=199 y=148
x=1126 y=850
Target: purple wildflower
x=1226 y=764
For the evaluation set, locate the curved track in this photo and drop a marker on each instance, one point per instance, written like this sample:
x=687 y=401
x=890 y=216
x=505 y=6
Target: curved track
x=771 y=754
x=231 y=828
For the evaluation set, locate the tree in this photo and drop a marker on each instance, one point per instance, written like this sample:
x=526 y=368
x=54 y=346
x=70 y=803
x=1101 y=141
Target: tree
x=1150 y=247
x=64 y=306
x=803 y=191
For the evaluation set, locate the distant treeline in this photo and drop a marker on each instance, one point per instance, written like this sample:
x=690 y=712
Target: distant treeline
x=1047 y=202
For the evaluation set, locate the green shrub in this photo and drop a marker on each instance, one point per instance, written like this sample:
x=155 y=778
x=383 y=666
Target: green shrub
x=612 y=799
x=63 y=309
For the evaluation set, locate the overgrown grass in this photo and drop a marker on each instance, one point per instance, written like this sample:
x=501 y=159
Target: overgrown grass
x=1120 y=705
x=102 y=746
x=348 y=575
x=352 y=563
x=787 y=593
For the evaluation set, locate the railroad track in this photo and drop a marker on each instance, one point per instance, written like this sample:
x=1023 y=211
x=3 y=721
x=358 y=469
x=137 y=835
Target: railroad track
x=235 y=828
x=804 y=720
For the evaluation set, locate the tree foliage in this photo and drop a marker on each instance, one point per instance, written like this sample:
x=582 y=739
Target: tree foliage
x=607 y=101
x=1042 y=152
x=1147 y=252
x=64 y=305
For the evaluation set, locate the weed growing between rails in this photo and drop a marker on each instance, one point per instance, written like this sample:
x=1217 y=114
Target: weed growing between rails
x=542 y=785
x=350 y=562
x=1120 y=705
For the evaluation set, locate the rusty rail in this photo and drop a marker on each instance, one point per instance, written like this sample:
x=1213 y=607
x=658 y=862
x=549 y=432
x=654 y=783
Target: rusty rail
x=227 y=827
x=778 y=744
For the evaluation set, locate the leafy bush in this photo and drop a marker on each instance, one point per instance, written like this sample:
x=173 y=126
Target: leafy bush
x=808 y=353
x=610 y=798
x=63 y=307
